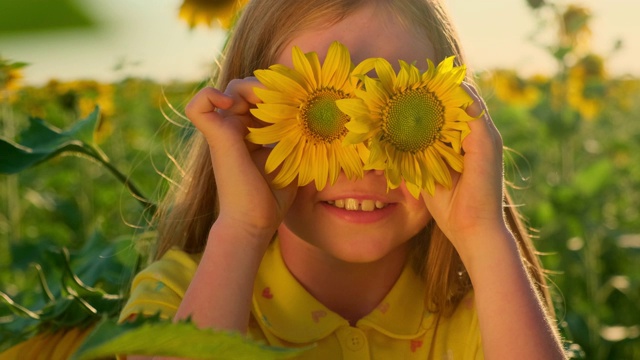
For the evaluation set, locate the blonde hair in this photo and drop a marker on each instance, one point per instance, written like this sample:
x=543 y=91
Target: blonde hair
x=261 y=34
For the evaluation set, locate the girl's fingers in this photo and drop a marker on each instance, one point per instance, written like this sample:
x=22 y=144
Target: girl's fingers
x=202 y=110
x=484 y=129
x=241 y=91
x=207 y=100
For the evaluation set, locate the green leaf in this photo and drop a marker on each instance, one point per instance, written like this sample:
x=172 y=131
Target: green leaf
x=592 y=179
x=41 y=141
x=153 y=336
x=26 y=16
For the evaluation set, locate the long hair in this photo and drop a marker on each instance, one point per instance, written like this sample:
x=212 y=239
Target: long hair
x=262 y=32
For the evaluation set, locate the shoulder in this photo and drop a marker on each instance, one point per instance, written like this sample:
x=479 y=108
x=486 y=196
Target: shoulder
x=160 y=287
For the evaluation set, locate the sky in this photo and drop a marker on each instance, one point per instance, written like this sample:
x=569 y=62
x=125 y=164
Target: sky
x=136 y=38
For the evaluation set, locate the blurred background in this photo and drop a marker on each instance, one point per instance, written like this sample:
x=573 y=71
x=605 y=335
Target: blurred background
x=561 y=79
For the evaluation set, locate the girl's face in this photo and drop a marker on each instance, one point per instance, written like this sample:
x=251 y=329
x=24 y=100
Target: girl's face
x=322 y=218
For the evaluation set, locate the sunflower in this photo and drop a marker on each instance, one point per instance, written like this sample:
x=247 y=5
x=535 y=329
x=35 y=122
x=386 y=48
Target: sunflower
x=413 y=122
x=574 y=30
x=586 y=86
x=59 y=344
x=299 y=105
x=512 y=89
x=10 y=76
x=196 y=12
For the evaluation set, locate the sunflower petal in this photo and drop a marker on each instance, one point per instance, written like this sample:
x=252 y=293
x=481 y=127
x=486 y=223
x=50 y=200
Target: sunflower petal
x=289 y=170
x=336 y=66
x=386 y=74
x=334 y=166
x=279 y=153
x=413 y=189
x=302 y=65
x=272 y=133
x=274 y=112
x=321 y=167
x=305 y=172
x=314 y=63
x=275 y=80
x=453 y=158
x=439 y=169
x=274 y=97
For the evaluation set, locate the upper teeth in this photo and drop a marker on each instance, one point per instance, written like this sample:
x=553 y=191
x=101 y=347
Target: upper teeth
x=354 y=204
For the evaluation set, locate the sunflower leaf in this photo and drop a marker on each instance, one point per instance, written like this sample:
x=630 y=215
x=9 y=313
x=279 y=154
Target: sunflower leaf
x=153 y=336
x=41 y=141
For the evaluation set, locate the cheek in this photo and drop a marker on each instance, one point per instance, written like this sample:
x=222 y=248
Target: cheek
x=302 y=206
x=416 y=207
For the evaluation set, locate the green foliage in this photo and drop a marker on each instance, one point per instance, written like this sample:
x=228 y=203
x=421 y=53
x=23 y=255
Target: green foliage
x=34 y=15
x=153 y=336
x=69 y=301
x=41 y=142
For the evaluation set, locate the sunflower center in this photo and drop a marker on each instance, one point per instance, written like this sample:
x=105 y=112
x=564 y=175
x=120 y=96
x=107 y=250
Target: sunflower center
x=412 y=119
x=321 y=117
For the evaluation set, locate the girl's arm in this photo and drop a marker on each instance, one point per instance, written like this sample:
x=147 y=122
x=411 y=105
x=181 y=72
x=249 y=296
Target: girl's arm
x=219 y=295
x=513 y=321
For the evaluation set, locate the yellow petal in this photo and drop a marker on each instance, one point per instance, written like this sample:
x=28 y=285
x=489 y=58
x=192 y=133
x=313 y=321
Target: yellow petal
x=274 y=80
x=321 y=166
x=353 y=138
x=274 y=112
x=274 y=97
x=302 y=65
x=280 y=152
x=305 y=173
x=337 y=66
x=349 y=161
x=453 y=158
x=403 y=80
x=314 y=63
x=352 y=107
x=363 y=68
x=289 y=170
x=439 y=169
x=375 y=97
x=413 y=189
x=334 y=166
x=386 y=74
x=273 y=133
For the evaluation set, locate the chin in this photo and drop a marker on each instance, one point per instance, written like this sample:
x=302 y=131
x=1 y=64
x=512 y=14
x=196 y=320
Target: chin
x=361 y=250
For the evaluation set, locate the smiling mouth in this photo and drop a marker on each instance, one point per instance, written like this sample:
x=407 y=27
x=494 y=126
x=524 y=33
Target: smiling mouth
x=357 y=205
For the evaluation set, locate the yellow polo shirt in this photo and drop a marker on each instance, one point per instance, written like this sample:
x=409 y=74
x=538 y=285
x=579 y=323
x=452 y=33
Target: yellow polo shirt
x=284 y=314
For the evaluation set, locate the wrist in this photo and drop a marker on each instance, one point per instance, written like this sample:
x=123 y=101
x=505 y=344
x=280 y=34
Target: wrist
x=484 y=248
x=235 y=230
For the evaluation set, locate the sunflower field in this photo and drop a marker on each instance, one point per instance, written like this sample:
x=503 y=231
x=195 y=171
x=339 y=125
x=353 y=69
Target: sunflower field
x=83 y=165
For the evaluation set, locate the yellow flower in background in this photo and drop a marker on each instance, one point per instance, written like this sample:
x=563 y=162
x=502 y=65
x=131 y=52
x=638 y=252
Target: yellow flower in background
x=197 y=12
x=10 y=76
x=512 y=89
x=586 y=87
x=575 y=31
x=61 y=344
x=304 y=121
x=414 y=123
x=83 y=96
x=624 y=90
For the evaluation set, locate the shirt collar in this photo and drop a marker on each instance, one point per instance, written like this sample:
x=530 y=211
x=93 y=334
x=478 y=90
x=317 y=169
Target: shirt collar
x=284 y=308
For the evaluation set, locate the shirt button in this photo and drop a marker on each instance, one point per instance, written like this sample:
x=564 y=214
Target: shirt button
x=355 y=341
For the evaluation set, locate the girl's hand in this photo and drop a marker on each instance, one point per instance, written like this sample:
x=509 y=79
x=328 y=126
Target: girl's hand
x=247 y=200
x=473 y=205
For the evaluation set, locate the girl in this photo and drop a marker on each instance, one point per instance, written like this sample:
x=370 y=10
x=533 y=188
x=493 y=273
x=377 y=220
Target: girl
x=448 y=276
